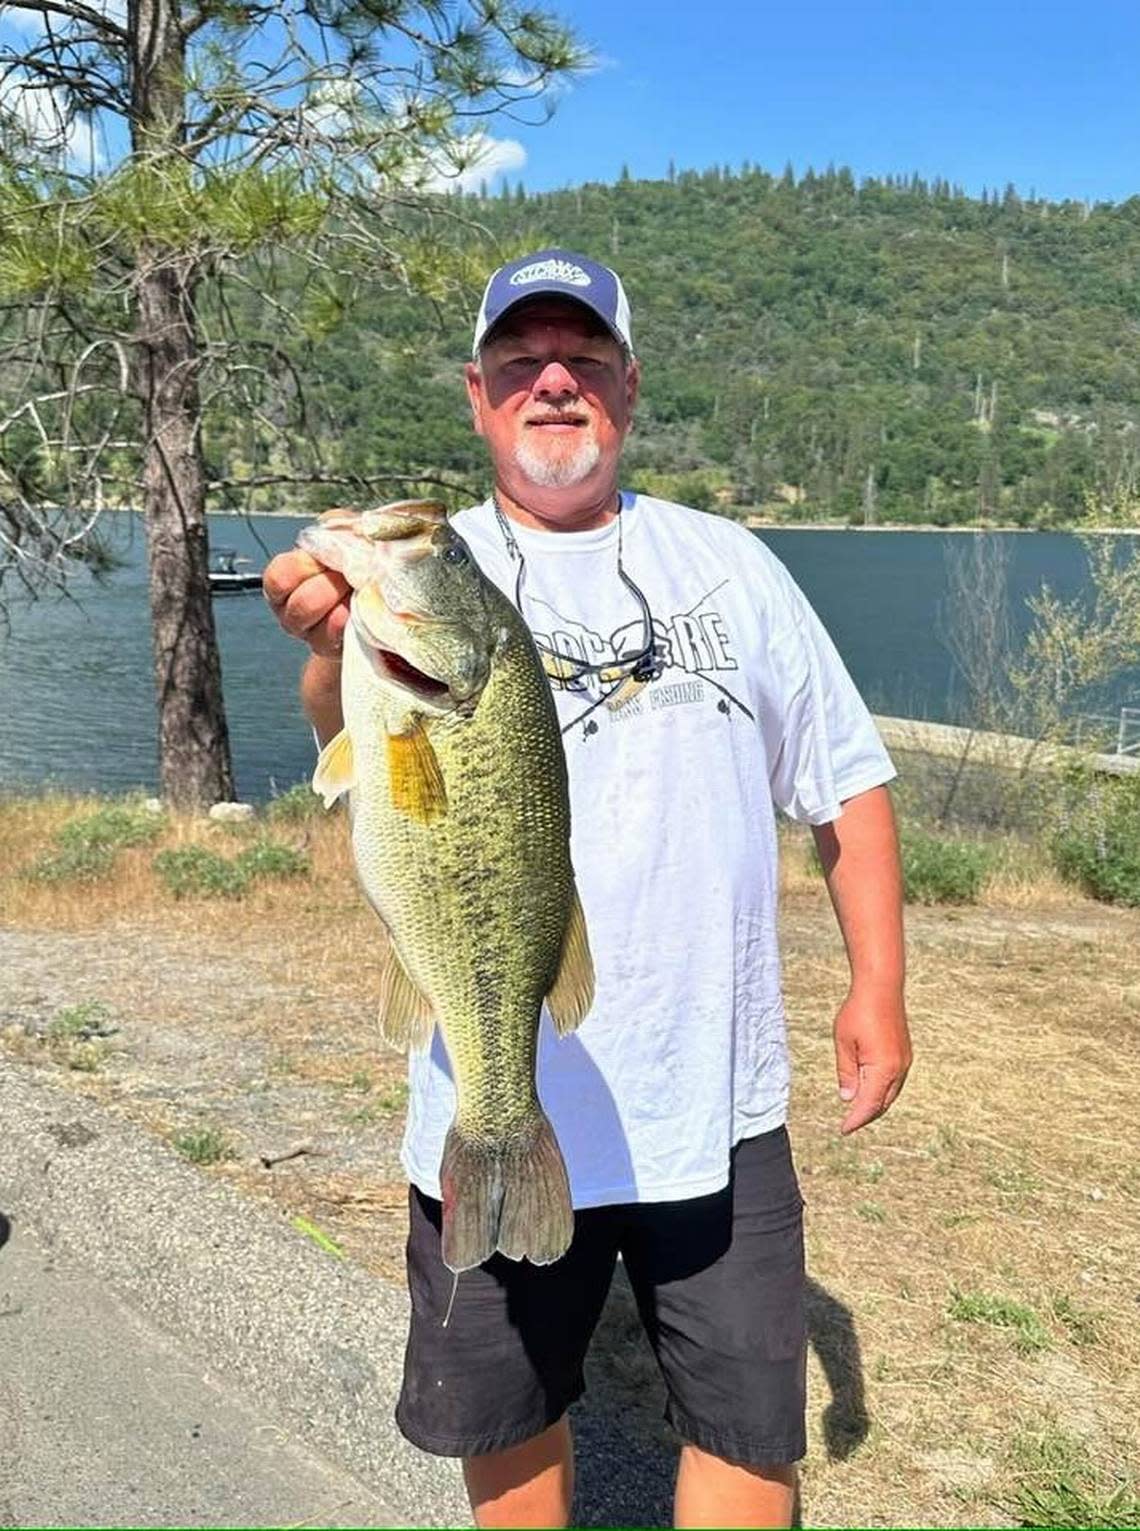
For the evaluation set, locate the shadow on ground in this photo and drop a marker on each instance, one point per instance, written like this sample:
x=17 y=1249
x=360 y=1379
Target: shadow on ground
x=627 y=1454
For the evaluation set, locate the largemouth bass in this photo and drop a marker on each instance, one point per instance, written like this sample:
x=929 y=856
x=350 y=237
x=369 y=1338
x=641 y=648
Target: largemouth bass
x=453 y=762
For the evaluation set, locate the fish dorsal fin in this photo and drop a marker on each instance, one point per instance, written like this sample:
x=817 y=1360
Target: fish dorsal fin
x=405 y=1015
x=335 y=772
x=415 y=780
x=572 y=993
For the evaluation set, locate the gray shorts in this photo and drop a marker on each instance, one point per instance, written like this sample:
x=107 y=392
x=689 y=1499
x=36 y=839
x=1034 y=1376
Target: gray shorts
x=719 y=1283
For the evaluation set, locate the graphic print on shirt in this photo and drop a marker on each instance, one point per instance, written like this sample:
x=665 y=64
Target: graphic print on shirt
x=689 y=648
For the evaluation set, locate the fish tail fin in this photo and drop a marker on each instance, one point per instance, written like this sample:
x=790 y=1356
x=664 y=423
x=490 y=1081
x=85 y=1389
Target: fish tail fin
x=510 y=1196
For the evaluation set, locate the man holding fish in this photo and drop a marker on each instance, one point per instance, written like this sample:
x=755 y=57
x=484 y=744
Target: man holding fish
x=634 y=889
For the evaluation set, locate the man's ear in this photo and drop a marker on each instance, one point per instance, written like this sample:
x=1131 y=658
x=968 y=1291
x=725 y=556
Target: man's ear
x=474 y=380
x=632 y=383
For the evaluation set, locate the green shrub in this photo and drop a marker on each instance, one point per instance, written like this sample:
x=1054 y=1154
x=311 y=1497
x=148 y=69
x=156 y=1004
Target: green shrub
x=295 y=806
x=113 y=826
x=270 y=859
x=204 y=1145
x=1097 y=843
x=193 y=870
x=939 y=871
x=73 y=863
x=196 y=871
x=90 y=1018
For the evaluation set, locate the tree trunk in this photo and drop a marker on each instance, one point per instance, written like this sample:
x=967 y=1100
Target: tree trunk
x=193 y=740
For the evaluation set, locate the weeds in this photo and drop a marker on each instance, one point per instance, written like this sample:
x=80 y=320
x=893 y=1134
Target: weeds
x=296 y=806
x=196 y=871
x=193 y=870
x=1029 y=1334
x=114 y=826
x=86 y=847
x=80 y=1023
x=940 y=871
x=268 y=858
x=72 y=863
x=1058 y=1485
x=1083 y=1327
x=203 y=1145
x=1098 y=843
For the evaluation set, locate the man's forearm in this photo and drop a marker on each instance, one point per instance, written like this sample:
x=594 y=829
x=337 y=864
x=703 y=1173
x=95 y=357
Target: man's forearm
x=320 y=696
x=860 y=857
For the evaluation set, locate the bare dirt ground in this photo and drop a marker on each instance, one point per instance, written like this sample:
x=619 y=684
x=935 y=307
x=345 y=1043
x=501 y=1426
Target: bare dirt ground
x=976 y=1355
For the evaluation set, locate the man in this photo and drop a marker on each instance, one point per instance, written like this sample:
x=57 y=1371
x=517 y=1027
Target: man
x=695 y=689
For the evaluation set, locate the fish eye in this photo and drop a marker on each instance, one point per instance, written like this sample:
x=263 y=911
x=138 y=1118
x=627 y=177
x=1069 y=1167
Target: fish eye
x=454 y=554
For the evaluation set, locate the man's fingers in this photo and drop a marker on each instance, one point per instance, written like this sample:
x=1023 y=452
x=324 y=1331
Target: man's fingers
x=877 y=1089
x=307 y=599
x=847 y=1070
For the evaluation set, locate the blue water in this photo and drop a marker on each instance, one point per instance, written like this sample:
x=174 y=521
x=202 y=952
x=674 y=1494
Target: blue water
x=76 y=700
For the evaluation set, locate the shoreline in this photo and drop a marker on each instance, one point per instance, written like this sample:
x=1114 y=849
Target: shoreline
x=756 y=523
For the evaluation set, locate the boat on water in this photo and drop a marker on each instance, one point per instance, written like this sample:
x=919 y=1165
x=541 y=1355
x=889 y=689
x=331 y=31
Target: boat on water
x=226 y=575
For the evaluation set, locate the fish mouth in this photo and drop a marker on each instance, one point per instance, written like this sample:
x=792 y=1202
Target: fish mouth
x=394 y=669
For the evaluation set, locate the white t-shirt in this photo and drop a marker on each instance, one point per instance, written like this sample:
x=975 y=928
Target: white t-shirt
x=673 y=841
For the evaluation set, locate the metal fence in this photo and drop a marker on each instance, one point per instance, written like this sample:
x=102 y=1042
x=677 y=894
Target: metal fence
x=1111 y=734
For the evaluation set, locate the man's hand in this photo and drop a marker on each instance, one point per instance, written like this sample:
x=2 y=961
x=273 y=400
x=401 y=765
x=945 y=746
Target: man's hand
x=309 y=600
x=872 y=1054
x=860 y=858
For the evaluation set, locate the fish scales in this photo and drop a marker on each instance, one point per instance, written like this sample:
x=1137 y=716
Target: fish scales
x=442 y=883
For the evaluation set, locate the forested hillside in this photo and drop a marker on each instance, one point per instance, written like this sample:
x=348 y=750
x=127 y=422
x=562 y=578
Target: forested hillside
x=884 y=352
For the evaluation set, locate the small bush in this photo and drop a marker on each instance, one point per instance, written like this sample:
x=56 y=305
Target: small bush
x=86 y=847
x=114 y=826
x=74 y=863
x=192 y=870
x=295 y=806
x=269 y=859
x=80 y=1023
x=1097 y=844
x=938 y=871
x=204 y=1145
x=196 y=871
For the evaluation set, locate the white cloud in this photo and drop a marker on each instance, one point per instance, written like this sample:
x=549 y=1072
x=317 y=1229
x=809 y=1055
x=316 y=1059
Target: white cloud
x=40 y=117
x=483 y=158
x=333 y=108
x=31 y=23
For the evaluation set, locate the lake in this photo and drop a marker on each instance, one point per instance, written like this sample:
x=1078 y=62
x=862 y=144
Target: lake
x=76 y=694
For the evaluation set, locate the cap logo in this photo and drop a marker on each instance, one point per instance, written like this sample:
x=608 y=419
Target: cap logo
x=551 y=271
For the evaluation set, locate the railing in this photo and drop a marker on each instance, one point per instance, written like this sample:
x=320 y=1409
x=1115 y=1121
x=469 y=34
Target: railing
x=1112 y=734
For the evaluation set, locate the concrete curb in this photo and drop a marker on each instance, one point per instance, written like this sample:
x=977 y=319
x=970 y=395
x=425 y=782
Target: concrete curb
x=317 y=1340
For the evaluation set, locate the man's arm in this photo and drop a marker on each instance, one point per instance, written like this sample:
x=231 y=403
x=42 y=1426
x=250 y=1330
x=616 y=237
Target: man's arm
x=860 y=857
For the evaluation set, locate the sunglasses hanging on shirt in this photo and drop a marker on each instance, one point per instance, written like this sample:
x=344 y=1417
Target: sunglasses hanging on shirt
x=624 y=677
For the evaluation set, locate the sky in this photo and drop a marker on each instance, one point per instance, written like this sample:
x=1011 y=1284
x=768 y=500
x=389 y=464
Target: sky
x=1044 y=95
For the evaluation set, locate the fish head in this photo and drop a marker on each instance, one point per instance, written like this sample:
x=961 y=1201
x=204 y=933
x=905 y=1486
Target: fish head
x=419 y=605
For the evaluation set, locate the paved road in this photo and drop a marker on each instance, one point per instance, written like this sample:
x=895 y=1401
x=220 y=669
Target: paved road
x=174 y=1354
x=105 y=1419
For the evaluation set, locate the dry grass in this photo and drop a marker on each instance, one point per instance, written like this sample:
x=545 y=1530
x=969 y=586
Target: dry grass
x=976 y=1353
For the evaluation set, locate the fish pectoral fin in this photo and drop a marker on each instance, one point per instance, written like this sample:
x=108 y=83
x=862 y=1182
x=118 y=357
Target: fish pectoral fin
x=415 y=779
x=335 y=772
x=572 y=993
x=405 y=1015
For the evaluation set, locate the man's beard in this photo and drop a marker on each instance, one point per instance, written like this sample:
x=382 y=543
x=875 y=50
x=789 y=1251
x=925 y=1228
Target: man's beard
x=557 y=470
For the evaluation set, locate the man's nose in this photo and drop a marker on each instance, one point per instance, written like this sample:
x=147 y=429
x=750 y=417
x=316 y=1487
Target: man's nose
x=555 y=381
